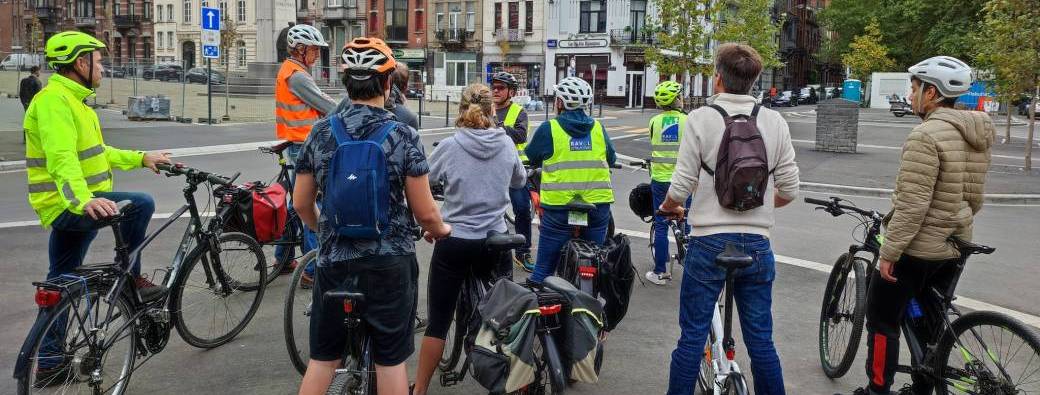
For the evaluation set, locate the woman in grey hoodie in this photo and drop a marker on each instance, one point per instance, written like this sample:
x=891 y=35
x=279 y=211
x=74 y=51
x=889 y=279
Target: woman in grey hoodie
x=477 y=166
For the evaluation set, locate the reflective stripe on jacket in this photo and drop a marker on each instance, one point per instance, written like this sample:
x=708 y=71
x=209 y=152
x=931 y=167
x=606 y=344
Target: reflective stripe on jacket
x=665 y=135
x=510 y=121
x=577 y=168
x=66 y=158
x=292 y=117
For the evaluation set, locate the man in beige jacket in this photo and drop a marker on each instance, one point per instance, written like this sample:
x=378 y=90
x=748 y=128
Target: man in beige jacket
x=938 y=192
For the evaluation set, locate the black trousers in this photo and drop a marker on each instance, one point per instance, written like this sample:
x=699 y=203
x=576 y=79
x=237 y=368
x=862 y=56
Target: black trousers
x=887 y=306
x=453 y=260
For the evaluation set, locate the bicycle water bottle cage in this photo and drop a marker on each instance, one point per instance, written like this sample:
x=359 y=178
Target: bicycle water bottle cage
x=733 y=258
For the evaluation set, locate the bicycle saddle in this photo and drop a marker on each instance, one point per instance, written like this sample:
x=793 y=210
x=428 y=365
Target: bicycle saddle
x=123 y=206
x=278 y=148
x=969 y=248
x=733 y=258
x=579 y=205
x=559 y=285
x=504 y=241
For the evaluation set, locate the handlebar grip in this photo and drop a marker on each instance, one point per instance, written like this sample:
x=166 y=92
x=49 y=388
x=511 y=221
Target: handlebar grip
x=616 y=166
x=164 y=166
x=217 y=179
x=817 y=201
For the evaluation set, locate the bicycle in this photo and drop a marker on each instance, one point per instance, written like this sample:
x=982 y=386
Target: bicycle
x=720 y=373
x=358 y=375
x=679 y=231
x=467 y=320
x=106 y=307
x=297 y=316
x=550 y=375
x=844 y=298
x=948 y=361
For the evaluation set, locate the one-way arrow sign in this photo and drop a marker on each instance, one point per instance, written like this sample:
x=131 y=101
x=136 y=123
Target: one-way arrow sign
x=210 y=18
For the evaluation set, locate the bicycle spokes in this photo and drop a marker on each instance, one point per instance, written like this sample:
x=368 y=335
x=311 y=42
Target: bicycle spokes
x=990 y=359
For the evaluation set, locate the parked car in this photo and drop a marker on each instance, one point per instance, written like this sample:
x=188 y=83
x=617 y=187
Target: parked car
x=1023 y=107
x=23 y=61
x=198 y=76
x=164 y=72
x=115 y=72
x=785 y=99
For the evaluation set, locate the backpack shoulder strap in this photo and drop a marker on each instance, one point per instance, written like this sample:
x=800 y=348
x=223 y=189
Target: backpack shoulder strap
x=384 y=131
x=338 y=132
x=754 y=111
x=707 y=169
x=720 y=110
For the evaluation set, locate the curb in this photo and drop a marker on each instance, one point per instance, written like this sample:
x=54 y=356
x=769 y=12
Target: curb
x=992 y=198
x=12 y=165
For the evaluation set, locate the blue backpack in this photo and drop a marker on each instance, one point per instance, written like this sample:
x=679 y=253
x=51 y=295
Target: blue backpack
x=357 y=190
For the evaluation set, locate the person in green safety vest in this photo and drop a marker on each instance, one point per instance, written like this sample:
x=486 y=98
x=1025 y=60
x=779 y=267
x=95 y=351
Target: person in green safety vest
x=69 y=170
x=513 y=119
x=575 y=154
x=665 y=134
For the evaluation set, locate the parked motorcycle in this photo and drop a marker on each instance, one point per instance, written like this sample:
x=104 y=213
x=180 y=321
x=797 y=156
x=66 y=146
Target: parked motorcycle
x=898 y=106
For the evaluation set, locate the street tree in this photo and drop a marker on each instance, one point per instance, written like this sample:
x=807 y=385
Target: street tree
x=681 y=36
x=750 y=22
x=228 y=38
x=1010 y=45
x=867 y=54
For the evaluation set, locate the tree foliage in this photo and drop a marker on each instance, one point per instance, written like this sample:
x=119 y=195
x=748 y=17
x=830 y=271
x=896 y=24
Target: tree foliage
x=867 y=54
x=680 y=37
x=913 y=30
x=750 y=22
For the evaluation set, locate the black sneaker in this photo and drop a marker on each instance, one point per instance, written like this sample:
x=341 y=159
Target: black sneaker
x=149 y=291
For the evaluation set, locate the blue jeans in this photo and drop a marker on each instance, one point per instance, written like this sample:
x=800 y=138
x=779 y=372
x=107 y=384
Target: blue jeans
x=554 y=233
x=310 y=240
x=70 y=238
x=659 y=190
x=752 y=291
x=521 y=202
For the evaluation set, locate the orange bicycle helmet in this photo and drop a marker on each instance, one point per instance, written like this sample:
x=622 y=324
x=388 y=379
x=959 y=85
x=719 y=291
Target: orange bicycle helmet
x=365 y=56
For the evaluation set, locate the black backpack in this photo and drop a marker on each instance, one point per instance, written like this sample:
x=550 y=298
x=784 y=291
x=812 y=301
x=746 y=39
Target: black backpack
x=741 y=167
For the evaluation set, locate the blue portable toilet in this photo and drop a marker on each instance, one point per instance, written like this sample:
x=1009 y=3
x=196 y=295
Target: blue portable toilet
x=850 y=90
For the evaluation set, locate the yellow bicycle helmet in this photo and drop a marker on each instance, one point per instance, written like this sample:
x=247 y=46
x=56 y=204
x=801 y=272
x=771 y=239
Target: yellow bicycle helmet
x=666 y=92
x=66 y=47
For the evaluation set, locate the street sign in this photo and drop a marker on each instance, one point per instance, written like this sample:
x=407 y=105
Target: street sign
x=210 y=37
x=210 y=18
x=211 y=51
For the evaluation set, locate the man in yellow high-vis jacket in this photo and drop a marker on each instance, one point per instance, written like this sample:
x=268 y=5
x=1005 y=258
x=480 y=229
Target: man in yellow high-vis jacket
x=513 y=119
x=575 y=154
x=69 y=166
x=665 y=134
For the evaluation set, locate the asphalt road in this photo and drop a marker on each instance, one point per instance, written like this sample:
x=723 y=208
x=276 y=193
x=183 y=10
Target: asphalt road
x=638 y=352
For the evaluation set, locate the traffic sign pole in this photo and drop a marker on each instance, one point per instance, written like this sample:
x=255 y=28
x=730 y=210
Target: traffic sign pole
x=210 y=19
x=209 y=90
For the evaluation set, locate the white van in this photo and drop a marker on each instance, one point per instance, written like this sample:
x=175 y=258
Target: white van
x=22 y=60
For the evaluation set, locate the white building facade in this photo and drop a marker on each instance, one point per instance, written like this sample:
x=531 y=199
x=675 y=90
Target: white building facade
x=514 y=38
x=178 y=34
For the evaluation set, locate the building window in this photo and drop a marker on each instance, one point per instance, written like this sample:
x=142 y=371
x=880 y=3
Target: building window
x=396 y=20
x=115 y=8
x=593 y=16
x=439 y=12
x=419 y=19
x=187 y=11
x=85 y=8
x=471 y=16
x=453 y=15
x=529 y=16
x=223 y=10
x=514 y=15
x=498 y=16
x=241 y=54
x=638 y=17
x=169 y=40
x=334 y=3
x=169 y=13
x=242 y=10
x=159 y=40
x=158 y=13
x=459 y=72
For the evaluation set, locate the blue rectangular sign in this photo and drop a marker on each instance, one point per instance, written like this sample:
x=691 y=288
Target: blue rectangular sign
x=551 y=43
x=211 y=51
x=210 y=18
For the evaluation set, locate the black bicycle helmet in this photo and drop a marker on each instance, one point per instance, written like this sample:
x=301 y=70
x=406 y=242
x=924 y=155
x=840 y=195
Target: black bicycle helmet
x=641 y=201
x=505 y=78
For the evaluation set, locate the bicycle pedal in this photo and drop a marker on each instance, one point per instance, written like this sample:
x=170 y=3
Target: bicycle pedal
x=449 y=379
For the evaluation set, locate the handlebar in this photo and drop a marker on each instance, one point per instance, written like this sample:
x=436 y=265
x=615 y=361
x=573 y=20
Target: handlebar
x=835 y=208
x=196 y=175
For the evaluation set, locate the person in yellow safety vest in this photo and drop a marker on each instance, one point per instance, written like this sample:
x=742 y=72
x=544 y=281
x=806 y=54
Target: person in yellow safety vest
x=513 y=119
x=69 y=169
x=575 y=154
x=665 y=134
x=298 y=104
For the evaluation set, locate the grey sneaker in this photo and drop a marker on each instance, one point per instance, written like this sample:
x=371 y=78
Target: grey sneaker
x=657 y=278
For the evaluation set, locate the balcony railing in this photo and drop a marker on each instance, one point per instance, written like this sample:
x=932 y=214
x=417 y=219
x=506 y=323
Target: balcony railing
x=397 y=34
x=86 y=21
x=510 y=35
x=621 y=37
x=453 y=36
x=47 y=12
x=126 y=21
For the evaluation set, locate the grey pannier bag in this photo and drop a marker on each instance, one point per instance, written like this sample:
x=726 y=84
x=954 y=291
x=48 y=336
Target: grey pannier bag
x=581 y=330
x=502 y=355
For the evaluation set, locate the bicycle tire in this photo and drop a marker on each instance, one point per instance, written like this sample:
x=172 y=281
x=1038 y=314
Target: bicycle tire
x=553 y=362
x=293 y=227
x=291 y=316
x=975 y=322
x=651 y=245
x=736 y=384
x=62 y=310
x=457 y=334
x=347 y=382
x=191 y=262
x=706 y=375
x=680 y=249
x=836 y=365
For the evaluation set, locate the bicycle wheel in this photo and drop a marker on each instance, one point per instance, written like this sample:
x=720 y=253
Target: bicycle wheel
x=351 y=380
x=77 y=360
x=706 y=377
x=296 y=319
x=841 y=315
x=680 y=254
x=736 y=384
x=652 y=247
x=206 y=313
x=292 y=248
x=567 y=267
x=550 y=354
x=456 y=337
x=995 y=354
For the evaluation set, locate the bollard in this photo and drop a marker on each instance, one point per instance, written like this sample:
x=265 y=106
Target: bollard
x=601 y=107
x=446 y=109
x=422 y=98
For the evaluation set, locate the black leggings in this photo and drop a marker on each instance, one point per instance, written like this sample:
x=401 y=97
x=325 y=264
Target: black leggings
x=453 y=260
x=887 y=305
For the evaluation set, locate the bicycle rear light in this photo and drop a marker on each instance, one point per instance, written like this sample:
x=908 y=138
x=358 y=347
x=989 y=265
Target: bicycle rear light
x=730 y=354
x=550 y=310
x=47 y=298
x=348 y=306
x=587 y=272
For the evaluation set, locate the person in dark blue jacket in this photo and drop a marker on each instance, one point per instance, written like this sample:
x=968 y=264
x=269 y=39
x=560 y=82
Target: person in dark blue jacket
x=575 y=154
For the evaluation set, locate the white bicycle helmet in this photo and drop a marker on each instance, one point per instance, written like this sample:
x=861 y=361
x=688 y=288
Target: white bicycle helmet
x=575 y=93
x=305 y=35
x=949 y=75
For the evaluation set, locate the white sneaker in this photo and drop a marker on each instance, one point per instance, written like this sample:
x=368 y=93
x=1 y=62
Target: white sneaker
x=657 y=278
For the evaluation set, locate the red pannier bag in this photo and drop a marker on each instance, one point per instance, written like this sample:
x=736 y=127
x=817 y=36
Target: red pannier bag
x=257 y=210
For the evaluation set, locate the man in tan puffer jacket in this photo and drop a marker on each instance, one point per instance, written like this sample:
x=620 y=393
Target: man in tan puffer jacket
x=938 y=192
